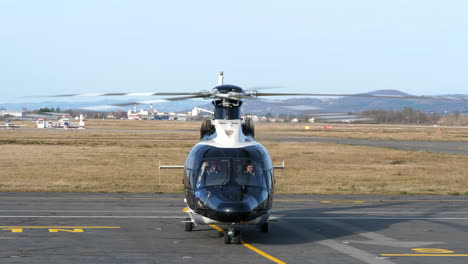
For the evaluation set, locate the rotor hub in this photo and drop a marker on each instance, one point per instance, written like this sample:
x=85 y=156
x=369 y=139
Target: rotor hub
x=227 y=101
x=226 y=88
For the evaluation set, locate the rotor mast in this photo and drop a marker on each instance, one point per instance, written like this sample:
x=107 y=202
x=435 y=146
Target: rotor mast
x=220 y=78
x=226 y=107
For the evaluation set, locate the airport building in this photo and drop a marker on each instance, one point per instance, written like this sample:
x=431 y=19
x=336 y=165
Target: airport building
x=4 y=112
x=152 y=113
x=142 y=114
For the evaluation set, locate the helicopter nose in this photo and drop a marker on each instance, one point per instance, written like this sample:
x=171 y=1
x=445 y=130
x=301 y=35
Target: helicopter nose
x=234 y=207
x=246 y=205
x=230 y=211
x=234 y=212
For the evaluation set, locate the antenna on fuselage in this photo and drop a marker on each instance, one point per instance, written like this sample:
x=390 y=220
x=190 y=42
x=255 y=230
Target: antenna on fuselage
x=220 y=78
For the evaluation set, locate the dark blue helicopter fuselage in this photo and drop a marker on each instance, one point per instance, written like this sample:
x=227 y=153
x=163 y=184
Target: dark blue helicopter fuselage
x=230 y=196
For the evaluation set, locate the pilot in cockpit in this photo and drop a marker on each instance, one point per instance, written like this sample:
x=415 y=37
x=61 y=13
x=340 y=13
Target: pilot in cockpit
x=249 y=169
x=212 y=168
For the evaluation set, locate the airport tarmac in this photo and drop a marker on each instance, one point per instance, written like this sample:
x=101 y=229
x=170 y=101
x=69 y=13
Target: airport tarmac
x=450 y=147
x=147 y=228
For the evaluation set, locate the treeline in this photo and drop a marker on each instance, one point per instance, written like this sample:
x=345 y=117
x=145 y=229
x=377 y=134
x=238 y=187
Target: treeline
x=48 y=110
x=411 y=116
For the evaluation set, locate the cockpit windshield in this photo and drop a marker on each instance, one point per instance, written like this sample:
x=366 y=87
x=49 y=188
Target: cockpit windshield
x=230 y=172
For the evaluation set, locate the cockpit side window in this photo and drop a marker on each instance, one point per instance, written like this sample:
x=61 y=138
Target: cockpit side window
x=248 y=173
x=213 y=172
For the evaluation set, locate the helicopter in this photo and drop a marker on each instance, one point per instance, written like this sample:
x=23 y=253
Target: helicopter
x=228 y=176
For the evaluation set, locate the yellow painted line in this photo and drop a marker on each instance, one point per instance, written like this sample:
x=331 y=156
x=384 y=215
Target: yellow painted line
x=185 y=209
x=262 y=253
x=58 y=227
x=75 y=230
x=424 y=255
x=432 y=250
x=15 y=230
x=254 y=249
x=217 y=228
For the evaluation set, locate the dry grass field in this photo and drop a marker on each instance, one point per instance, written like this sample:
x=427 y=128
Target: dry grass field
x=389 y=132
x=123 y=156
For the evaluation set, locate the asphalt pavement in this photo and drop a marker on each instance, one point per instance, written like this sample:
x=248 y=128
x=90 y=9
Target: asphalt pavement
x=450 y=147
x=147 y=228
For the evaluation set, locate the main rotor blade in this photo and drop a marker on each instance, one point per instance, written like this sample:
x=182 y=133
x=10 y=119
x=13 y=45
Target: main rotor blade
x=187 y=97
x=56 y=114
x=106 y=107
x=161 y=100
x=368 y=95
x=118 y=94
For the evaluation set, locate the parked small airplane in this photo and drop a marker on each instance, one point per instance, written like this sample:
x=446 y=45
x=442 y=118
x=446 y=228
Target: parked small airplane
x=63 y=123
x=9 y=125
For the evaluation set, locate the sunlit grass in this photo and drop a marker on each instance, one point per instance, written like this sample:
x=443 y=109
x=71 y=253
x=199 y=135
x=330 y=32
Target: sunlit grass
x=114 y=158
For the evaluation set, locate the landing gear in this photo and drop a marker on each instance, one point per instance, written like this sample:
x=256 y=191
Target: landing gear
x=232 y=236
x=236 y=239
x=227 y=238
x=188 y=225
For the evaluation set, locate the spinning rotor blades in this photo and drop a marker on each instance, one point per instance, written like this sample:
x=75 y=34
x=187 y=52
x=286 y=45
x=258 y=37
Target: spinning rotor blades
x=235 y=95
x=204 y=93
x=367 y=95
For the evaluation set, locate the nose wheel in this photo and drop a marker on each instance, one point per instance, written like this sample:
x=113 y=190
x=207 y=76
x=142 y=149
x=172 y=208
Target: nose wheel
x=232 y=236
x=188 y=225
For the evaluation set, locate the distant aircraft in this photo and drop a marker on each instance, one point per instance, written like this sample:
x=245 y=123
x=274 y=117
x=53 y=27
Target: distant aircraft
x=9 y=125
x=63 y=123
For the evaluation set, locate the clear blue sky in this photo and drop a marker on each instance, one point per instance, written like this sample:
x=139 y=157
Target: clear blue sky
x=55 y=47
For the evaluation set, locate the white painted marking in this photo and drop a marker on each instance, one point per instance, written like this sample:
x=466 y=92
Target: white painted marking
x=376 y=239
x=354 y=252
x=367 y=218
x=390 y=212
x=381 y=240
